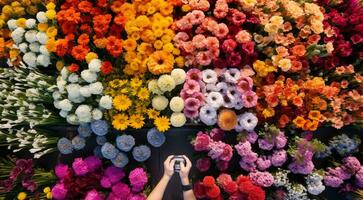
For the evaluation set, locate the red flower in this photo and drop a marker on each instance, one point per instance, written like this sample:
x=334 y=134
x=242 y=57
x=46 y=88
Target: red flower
x=106 y=68
x=73 y=67
x=79 y=52
x=199 y=190
x=234 y=59
x=208 y=181
x=248 y=47
x=85 y=6
x=203 y=164
x=213 y=192
x=223 y=179
x=230 y=187
x=201 y=142
x=242 y=179
x=229 y=45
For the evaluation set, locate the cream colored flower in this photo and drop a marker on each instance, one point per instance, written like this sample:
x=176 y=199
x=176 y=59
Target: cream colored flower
x=178 y=119
x=166 y=83
x=159 y=102
x=176 y=104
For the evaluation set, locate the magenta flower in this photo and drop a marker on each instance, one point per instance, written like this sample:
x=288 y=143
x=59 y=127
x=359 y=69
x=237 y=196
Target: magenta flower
x=203 y=164
x=121 y=189
x=93 y=163
x=201 y=142
x=93 y=195
x=114 y=174
x=59 y=191
x=138 y=179
x=191 y=114
x=80 y=167
x=195 y=75
x=61 y=171
x=192 y=104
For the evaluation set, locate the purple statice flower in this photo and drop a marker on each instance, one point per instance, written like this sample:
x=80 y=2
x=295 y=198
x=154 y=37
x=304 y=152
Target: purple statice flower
x=352 y=164
x=93 y=195
x=247 y=166
x=59 y=191
x=80 y=167
x=138 y=179
x=278 y=158
x=263 y=163
x=61 y=171
x=301 y=168
x=263 y=179
x=265 y=144
x=280 y=140
x=340 y=172
x=93 y=163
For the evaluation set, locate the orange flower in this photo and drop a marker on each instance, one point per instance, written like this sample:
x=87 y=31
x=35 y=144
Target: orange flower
x=312 y=125
x=284 y=120
x=297 y=101
x=85 y=6
x=114 y=46
x=298 y=50
x=299 y=121
x=61 y=47
x=160 y=62
x=79 y=52
x=344 y=84
x=100 y=42
x=227 y=119
x=314 y=115
x=117 y=6
x=83 y=39
x=296 y=65
x=120 y=19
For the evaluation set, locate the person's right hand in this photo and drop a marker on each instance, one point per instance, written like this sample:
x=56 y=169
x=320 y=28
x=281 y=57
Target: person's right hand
x=169 y=166
x=184 y=171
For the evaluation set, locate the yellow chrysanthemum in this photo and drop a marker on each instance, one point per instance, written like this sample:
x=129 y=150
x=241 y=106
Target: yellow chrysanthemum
x=143 y=93
x=135 y=82
x=120 y=122
x=162 y=123
x=121 y=102
x=136 y=121
x=152 y=113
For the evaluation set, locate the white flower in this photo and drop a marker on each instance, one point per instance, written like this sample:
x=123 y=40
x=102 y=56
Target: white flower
x=56 y=104
x=222 y=87
x=61 y=84
x=89 y=76
x=63 y=113
x=23 y=47
x=78 y=99
x=166 y=83
x=209 y=76
x=30 y=59
x=72 y=119
x=153 y=87
x=106 y=102
x=85 y=91
x=232 y=75
x=43 y=60
x=64 y=73
x=96 y=88
x=97 y=114
x=215 y=99
x=12 y=24
x=31 y=36
x=179 y=76
x=177 y=119
x=159 y=102
x=30 y=23
x=65 y=105
x=73 y=78
x=176 y=104
x=247 y=121
x=73 y=91
x=95 y=65
x=56 y=95
x=42 y=37
x=208 y=115
x=210 y=88
x=316 y=189
x=83 y=113
x=41 y=17
x=17 y=35
x=34 y=47
x=43 y=50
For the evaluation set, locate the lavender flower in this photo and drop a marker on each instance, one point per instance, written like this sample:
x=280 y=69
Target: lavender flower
x=208 y=115
x=141 y=153
x=125 y=142
x=99 y=127
x=65 y=146
x=278 y=158
x=109 y=151
x=155 y=138
x=121 y=160
x=247 y=121
x=78 y=143
x=209 y=76
x=215 y=99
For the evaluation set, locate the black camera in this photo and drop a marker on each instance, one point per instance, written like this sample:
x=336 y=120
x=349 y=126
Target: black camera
x=179 y=160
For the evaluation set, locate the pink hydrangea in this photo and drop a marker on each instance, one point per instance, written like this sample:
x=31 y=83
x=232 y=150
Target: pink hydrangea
x=352 y=164
x=93 y=195
x=121 y=189
x=59 y=191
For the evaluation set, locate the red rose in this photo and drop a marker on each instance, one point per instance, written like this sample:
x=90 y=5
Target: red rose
x=213 y=192
x=208 y=181
x=106 y=68
x=73 y=67
x=199 y=190
x=203 y=164
x=201 y=142
x=242 y=179
x=230 y=187
x=224 y=178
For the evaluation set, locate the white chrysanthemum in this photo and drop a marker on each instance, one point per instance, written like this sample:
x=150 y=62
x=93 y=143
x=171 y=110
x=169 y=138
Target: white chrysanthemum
x=63 y=113
x=78 y=99
x=96 y=88
x=42 y=37
x=43 y=60
x=210 y=88
x=41 y=17
x=30 y=59
x=178 y=75
x=96 y=114
x=72 y=119
x=73 y=91
x=178 y=119
x=208 y=115
x=106 y=102
x=73 y=78
x=34 y=47
x=61 y=84
x=247 y=121
x=83 y=113
x=232 y=75
x=12 y=24
x=89 y=76
x=85 y=91
x=56 y=95
x=64 y=73
x=23 y=47
x=153 y=87
x=95 y=65
x=17 y=35
x=176 y=104
x=30 y=23
x=65 y=105
x=215 y=99
x=43 y=50
x=209 y=76
x=160 y=102
x=166 y=83
x=222 y=87
x=31 y=36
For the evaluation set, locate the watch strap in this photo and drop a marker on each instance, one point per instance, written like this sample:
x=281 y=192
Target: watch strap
x=187 y=187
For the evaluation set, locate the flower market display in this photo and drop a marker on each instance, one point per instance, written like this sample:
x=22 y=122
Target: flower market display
x=269 y=91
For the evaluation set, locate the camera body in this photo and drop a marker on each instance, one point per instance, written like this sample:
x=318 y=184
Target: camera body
x=179 y=160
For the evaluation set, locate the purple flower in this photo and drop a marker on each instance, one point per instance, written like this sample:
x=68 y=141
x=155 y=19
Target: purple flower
x=247 y=166
x=138 y=179
x=29 y=184
x=121 y=189
x=278 y=158
x=61 y=171
x=264 y=144
x=252 y=137
x=263 y=179
x=304 y=168
x=93 y=195
x=280 y=140
x=93 y=163
x=243 y=148
x=352 y=164
x=80 y=167
x=359 y=178
x=136 y=197
x=263 y=163
x=59 y=191
x=333 y=181
x=115 y=174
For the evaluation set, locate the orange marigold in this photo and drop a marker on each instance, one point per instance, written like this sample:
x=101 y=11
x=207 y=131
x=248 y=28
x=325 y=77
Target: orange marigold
x=79 y=52
x=227 y=119
x=160 y=62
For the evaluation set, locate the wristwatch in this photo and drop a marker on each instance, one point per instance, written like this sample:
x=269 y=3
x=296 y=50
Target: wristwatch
x=187 y=187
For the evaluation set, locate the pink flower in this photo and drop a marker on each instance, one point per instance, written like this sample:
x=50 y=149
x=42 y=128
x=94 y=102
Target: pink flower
x=249 y=99
x=221 y=31
x=265 y=144
x=80 y=167
x=244 y=84
x=181 y=36
x=238 y=18
x=188 y=47
x=248 y=47
x=201 y=142
x=229 y=45
x=93 y=163
x=223 y=179
x=247 y=166
x=114 y=174
x=61 y=171
x=106 y=182
x=212 y=42
x=199 y=96
x=197 y=16
x=352 y=164
x=59 y=191
x=227 y=153
x=278 y=158
x=121 y=189
x=280 y=140
x=191 y=86
x=203 y=164
x=243 y=36
x=138 y=179
x=199 y=41
x=136 y=197
x=192 y=104
x=194 y=74
x=263 y=179
x=263 y=163
x=204 y=58
x=93 y=195
x=191 y=114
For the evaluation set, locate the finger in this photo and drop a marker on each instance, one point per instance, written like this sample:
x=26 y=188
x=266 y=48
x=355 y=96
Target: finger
x=188 y=162
x=171 y=164
x=167 y=161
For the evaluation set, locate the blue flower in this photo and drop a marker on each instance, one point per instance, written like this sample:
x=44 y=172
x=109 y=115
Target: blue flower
x=78 y=143
x=345 y=145
x=125 y=142
x=99 y=127
x=101 y=140
x=109 y=151
x=121 y=160
x=84 y=130
x=65 y=146
x=155 y=138
x=97 y=151
x=141 y=153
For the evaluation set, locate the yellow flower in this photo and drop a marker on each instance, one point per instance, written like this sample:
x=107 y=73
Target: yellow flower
x=135 y=82
x=129 y=44
x=50 y=14
x=268 y=112
x=59 y=65
x=22 y=196
x=314 y=115
x=46 y=190
x=152 y=113
x=169 y=47
x=121 y=102
x=120 y=122
x=158 y=44
x=180 y=61
x=262 y=69
x=50 y=6
x=151 y=10
x=142 y=21
x=51 y=45
x=21 y=22
x=162 y=123
x=52 y=32
x=166 y=38
x=42 y=27
x=49 y=195
x=143 y=93
x=137 y=121
x=186 y=8
x=7 y=10
x=90 y=56
x=299 y=121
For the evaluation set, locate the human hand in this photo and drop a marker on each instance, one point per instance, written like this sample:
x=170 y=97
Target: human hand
x=184 y=171
x=169 y=166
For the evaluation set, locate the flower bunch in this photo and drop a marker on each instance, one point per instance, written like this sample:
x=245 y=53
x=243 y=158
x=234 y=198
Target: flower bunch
x=163 y=87
x=212 y=143
x=315 y=184
x=206 y=38
x=292 y=190
x=80 y=95
x=31 y=37
x=225 y=90
x=242 y=187
x=88 y=180
x=342 y=144
x=149 y=44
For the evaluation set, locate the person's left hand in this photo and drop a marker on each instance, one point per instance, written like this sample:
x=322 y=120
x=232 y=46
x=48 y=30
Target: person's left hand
x=184 y=171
